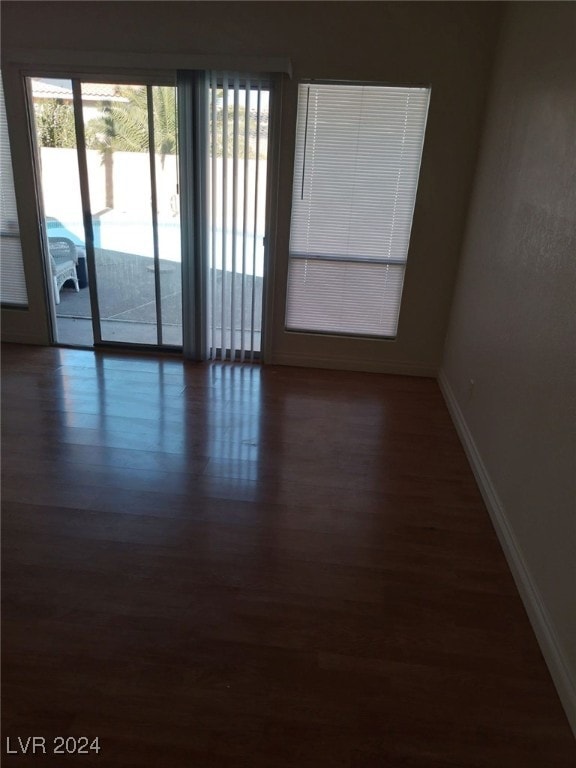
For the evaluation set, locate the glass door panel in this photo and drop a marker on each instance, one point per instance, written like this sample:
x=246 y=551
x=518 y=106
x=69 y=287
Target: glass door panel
x=168 y=212
x=120 y=189
x=112 y=200
x=57 y=164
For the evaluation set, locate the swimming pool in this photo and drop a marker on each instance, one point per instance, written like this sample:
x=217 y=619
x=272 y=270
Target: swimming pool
x=117 y=232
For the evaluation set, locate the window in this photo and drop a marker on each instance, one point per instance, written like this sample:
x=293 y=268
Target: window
x=358 y=151
x=12 y=280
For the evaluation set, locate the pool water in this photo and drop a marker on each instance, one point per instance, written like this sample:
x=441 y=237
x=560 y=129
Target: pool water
x=116 y=232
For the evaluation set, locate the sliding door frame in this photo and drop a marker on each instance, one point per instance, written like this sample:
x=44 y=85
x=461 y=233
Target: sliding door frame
x=148 y=80
x=276 y=80
x=86 y=210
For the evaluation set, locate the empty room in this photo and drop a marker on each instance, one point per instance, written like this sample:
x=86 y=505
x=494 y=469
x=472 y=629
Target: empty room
x=288 y=384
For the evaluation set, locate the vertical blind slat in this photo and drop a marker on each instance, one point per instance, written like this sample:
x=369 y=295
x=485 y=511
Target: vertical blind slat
x=234 y=220
x=256 y=198
x=245 y=216
x=212 y=180
x=223 y=339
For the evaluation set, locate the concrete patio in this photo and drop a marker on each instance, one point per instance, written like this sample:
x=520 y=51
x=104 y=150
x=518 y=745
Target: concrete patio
x=126 y=297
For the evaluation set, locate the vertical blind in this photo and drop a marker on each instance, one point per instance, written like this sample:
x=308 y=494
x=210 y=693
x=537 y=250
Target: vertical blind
x=12 y=280
x=357 y=160
x=238 y=108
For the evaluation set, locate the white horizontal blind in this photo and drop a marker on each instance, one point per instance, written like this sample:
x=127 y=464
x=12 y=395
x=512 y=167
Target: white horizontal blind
x=358 y=152
x=12 y=280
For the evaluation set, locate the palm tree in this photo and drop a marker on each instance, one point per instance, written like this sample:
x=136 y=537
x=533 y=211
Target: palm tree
x=123 y=127
x=124 y=122
x=101 y=135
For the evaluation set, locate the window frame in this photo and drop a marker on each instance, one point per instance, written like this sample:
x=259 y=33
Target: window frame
x=350 y=259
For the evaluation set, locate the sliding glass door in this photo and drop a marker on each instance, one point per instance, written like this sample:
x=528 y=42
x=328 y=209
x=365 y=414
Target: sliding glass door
x=107 y=156
x=159 y=216
x=134 y=216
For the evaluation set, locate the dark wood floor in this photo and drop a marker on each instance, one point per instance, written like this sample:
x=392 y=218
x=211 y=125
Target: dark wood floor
x=219 y=566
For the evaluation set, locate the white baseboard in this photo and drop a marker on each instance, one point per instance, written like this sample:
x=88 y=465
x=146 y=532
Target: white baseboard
x=343 y=364
x=538 y=614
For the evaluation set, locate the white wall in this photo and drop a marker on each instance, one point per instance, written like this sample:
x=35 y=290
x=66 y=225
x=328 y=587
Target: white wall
x=513 y=328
